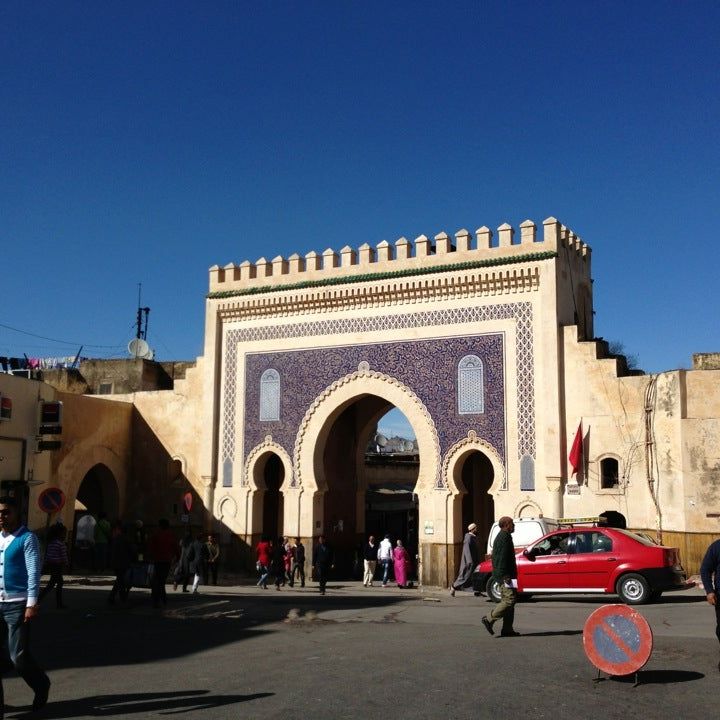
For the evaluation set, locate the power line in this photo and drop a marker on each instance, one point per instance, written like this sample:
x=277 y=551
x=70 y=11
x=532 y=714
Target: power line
x=61 y=342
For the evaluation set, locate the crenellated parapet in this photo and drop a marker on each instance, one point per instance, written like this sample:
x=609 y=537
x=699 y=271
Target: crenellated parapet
x=403 y=257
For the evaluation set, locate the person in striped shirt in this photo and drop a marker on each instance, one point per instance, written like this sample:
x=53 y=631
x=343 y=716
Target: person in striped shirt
x=19 y=585
x=56 y=560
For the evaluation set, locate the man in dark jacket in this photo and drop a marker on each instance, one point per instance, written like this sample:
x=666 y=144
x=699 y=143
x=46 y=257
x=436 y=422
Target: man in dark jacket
x=322 y=562
x=504 y=572
x=710 y=575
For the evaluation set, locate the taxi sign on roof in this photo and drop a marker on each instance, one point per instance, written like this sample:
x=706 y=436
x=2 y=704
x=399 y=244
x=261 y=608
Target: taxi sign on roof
x=581 y=521
x=617 y=640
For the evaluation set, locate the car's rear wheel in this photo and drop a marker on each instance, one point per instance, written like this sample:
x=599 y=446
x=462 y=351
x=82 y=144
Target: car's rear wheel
x=492 y=588
x=633 y=589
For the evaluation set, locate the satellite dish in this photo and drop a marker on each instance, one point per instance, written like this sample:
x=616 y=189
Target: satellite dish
x=138 y=348
x=381 y=440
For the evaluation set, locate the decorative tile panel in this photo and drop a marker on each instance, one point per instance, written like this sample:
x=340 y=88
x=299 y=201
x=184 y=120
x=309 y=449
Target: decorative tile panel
x=433 y=376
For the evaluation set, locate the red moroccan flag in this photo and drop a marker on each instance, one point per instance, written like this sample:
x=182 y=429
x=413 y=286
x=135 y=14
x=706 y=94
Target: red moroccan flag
x=575 y=456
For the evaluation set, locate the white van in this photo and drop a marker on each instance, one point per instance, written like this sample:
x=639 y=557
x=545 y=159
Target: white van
x=527 y=530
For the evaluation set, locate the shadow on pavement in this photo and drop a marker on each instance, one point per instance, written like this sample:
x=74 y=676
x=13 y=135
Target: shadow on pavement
x=660 y=677
x=668 y=599
x=552 y=632
x=169 y=703
x=82 y=635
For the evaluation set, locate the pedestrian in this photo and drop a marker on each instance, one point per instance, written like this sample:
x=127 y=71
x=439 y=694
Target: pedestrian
x=56 y=560
x=298 y=567
x=322 y=562
x=385 y=557
x=277 y=562
x=102 y=534
x=263 y=553
x=468 y=561
x=182 y=569
x=710 y=576
x=197 y=561
x=505 y=573
x=213 y=559
x=163 y=551
x=122 y=555
x=19 y=586
x=370 y=553
x=289 y=560
x=401 y=564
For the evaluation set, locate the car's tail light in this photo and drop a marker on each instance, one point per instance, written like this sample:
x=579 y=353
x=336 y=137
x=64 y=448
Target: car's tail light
x=671 y=557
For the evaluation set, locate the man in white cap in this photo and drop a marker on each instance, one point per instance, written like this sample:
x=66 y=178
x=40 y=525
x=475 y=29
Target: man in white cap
x=469 y=560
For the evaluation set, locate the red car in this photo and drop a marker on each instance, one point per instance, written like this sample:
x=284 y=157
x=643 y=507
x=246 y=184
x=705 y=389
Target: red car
x=599 y=560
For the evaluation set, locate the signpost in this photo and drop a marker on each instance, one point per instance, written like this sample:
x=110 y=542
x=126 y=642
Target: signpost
x=51 y=500
x=617 y=640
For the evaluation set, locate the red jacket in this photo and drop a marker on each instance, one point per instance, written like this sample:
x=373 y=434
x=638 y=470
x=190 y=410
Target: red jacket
x=264 y=548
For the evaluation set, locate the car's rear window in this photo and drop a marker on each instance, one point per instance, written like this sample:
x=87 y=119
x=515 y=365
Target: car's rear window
x=638 y=538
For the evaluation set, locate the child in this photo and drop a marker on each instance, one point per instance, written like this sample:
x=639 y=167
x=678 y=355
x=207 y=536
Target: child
x=56 y=559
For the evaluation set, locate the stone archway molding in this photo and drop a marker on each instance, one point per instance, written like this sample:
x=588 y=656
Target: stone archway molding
x=257 y=453
x=457 y=453
x=523 y=505
x=339 y=395
x=78 y=463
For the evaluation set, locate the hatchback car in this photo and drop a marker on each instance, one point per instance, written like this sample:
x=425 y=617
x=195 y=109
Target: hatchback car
x=599 y=560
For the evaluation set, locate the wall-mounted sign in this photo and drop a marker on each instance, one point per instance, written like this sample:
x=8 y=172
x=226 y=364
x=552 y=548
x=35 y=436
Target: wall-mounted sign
x=429 y=527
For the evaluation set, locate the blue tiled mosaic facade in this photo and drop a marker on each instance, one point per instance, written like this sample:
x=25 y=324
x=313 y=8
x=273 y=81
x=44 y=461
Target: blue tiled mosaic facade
x=427 y=367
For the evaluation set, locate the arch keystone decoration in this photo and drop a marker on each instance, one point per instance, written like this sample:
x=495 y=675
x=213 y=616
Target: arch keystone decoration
x=339 y=395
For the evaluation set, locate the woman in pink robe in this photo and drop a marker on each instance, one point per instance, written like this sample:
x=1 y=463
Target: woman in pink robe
x=401 y=564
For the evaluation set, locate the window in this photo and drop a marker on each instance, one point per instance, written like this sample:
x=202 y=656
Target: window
x=609 y=474
x=592 y=541
x=270 y=396
x=471 y=393
x=553 y=545
x=105 y=388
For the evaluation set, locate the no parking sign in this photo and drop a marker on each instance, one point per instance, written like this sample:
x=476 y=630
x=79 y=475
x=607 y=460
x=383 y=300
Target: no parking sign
x=617 y=640
x=51 y=500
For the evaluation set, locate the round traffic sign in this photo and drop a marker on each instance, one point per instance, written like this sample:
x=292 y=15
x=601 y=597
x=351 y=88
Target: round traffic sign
x=617 y=639
x=51 y=500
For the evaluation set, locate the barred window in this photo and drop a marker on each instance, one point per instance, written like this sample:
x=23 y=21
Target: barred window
x=471 y=394
x=270 y=396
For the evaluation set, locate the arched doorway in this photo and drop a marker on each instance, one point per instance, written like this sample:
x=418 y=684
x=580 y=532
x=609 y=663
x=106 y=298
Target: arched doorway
x=273 y=474
x=371 y=473
x=98 y=494
x=478 y=506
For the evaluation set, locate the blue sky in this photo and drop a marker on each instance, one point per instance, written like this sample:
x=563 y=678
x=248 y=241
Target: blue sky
x=145 y=142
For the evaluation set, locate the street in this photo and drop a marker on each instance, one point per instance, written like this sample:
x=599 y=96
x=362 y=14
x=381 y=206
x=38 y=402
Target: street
x=355 y=653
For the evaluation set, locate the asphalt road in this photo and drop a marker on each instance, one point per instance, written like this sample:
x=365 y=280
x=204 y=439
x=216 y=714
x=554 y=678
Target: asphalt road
x=242 y=652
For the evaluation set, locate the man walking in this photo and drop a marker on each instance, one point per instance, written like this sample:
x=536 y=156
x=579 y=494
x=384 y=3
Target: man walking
x=384 y=557
x=20 y=568
x=322 y=562
x=469 y=559
x=505 y=573
x=370 y=561
x=710 y=575
x=298 y=567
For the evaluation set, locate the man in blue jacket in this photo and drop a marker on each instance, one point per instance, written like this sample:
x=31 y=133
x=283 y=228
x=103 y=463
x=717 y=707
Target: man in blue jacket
x=711 y=567
x=20 y=568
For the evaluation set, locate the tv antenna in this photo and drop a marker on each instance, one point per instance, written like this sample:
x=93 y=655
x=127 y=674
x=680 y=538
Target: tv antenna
x=138 y=346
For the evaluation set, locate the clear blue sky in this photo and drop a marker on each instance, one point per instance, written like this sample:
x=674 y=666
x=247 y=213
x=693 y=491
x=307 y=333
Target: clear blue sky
x=145 y=142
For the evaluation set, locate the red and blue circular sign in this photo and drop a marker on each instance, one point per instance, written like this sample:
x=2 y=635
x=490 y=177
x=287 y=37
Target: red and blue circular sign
x=51 y=500
x=617 y=640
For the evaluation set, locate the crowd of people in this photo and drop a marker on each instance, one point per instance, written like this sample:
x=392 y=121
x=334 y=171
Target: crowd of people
x=282 y=561
x=135 y=560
